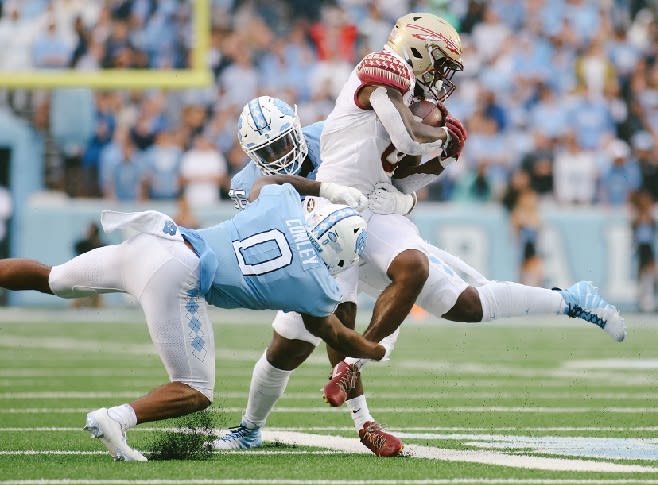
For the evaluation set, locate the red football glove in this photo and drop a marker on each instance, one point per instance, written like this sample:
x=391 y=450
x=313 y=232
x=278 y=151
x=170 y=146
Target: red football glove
x=444 y=111
x=458 y=136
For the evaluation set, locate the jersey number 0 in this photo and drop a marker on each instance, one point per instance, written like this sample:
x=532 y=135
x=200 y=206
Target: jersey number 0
x=251 y=243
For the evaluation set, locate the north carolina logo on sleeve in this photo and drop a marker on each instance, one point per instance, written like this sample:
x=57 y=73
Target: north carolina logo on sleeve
x=310 y=204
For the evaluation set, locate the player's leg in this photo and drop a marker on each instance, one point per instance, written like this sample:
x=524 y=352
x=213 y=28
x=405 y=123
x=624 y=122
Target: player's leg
x=348 y=388
x=504 y=299
x=163 y=276
x=19 y=274
x=580 y=300
x=291 y=345
x=445 y=294
x=395 y=248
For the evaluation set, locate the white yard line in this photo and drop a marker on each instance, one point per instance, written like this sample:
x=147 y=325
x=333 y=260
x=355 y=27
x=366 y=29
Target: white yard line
x=381 y=410
x=352 y=445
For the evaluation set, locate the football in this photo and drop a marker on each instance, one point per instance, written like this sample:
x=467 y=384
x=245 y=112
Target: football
x=428 y=113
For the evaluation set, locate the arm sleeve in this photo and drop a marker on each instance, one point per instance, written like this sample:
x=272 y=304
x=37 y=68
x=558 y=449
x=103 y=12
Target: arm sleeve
x=392 y=120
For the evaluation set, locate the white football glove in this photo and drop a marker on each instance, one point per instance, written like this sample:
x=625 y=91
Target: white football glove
x=389 y=344
x=340 y=194
x=386 y=199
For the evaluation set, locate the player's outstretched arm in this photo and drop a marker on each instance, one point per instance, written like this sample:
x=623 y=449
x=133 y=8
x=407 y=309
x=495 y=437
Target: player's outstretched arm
x=338 y=194
x=343 y=339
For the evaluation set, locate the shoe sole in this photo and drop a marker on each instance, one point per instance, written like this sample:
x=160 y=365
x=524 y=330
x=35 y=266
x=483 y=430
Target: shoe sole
x=616 y=327
x=257 y=445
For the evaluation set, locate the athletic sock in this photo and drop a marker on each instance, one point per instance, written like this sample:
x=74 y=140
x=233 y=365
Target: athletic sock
x=359 y=410
x=124 y=415
x=502 y=299
x=267 y=386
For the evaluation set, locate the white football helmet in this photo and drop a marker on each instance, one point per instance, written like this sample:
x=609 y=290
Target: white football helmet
x=339 y=234
x=432 y=47
x=270 y=133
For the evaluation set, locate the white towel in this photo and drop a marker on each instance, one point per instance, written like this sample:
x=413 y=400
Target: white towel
x=149 y=222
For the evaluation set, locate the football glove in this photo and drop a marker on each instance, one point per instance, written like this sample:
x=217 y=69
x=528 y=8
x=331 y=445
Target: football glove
x=339 y=194
x=457 y=137
x=386 y=199
x=388 y=343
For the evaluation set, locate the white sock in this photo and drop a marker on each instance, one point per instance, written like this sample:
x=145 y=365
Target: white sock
x=124 y=415
x=267 y=386
x=359 y=410
x=502 y=299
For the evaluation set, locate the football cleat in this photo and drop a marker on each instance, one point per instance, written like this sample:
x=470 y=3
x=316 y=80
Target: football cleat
x=239 y=438
x=584 y=301
x=379 y=441
x=102 y=426
x=341 y=382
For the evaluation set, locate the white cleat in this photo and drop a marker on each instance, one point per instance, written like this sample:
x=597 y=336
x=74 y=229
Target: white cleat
x=584 y=301
x=102 y=426
x=239 y=438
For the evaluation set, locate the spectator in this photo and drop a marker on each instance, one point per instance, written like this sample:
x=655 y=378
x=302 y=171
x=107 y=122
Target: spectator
x=575 y=173
x=82 y=45
x=526 y=222
x=49 y=50
x=125 y=180
x=474 y=186
x=203 y=173
x=104 y=126
x=647 y=158
x=16 y=38
x=594 y=70
x=238 y=83
x=120 y=51
x=644 y=239
x=621 y=178
x=334 y=37
x=162 y=164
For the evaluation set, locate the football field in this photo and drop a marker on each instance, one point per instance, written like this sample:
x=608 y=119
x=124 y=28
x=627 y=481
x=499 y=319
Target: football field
x=534 y=401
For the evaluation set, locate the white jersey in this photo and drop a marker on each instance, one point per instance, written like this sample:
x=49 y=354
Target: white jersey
x=355 y=148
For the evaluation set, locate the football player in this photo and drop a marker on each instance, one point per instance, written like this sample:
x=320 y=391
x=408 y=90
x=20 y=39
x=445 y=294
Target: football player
x=431 y=50
x=273 y=255
x=364 y=139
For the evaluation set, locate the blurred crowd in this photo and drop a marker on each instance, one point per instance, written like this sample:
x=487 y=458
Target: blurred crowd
x=560 y=97
x=564 y=91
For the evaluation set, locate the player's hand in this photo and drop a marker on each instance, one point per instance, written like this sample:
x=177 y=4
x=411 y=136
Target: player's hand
x=457 y=136
x=339 y=194
x=386 y=199
x=389 y=343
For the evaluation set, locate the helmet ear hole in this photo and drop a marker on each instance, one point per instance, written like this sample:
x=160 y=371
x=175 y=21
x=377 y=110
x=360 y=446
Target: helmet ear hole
x=416 y=53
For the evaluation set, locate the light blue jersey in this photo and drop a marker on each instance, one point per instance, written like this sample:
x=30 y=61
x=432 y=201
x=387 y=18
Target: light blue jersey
x=242 y=181
x=263 y=259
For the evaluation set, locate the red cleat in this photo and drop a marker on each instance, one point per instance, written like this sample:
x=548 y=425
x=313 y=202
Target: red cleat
x=342 y=381
x=379 y=441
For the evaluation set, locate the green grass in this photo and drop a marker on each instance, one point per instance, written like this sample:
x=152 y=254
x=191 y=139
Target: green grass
x=448 y=386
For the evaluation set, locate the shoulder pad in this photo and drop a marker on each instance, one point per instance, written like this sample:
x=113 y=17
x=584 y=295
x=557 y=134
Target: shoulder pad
x=384 y=69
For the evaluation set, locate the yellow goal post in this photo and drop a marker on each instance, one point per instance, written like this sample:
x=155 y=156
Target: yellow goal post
x=198 y=75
